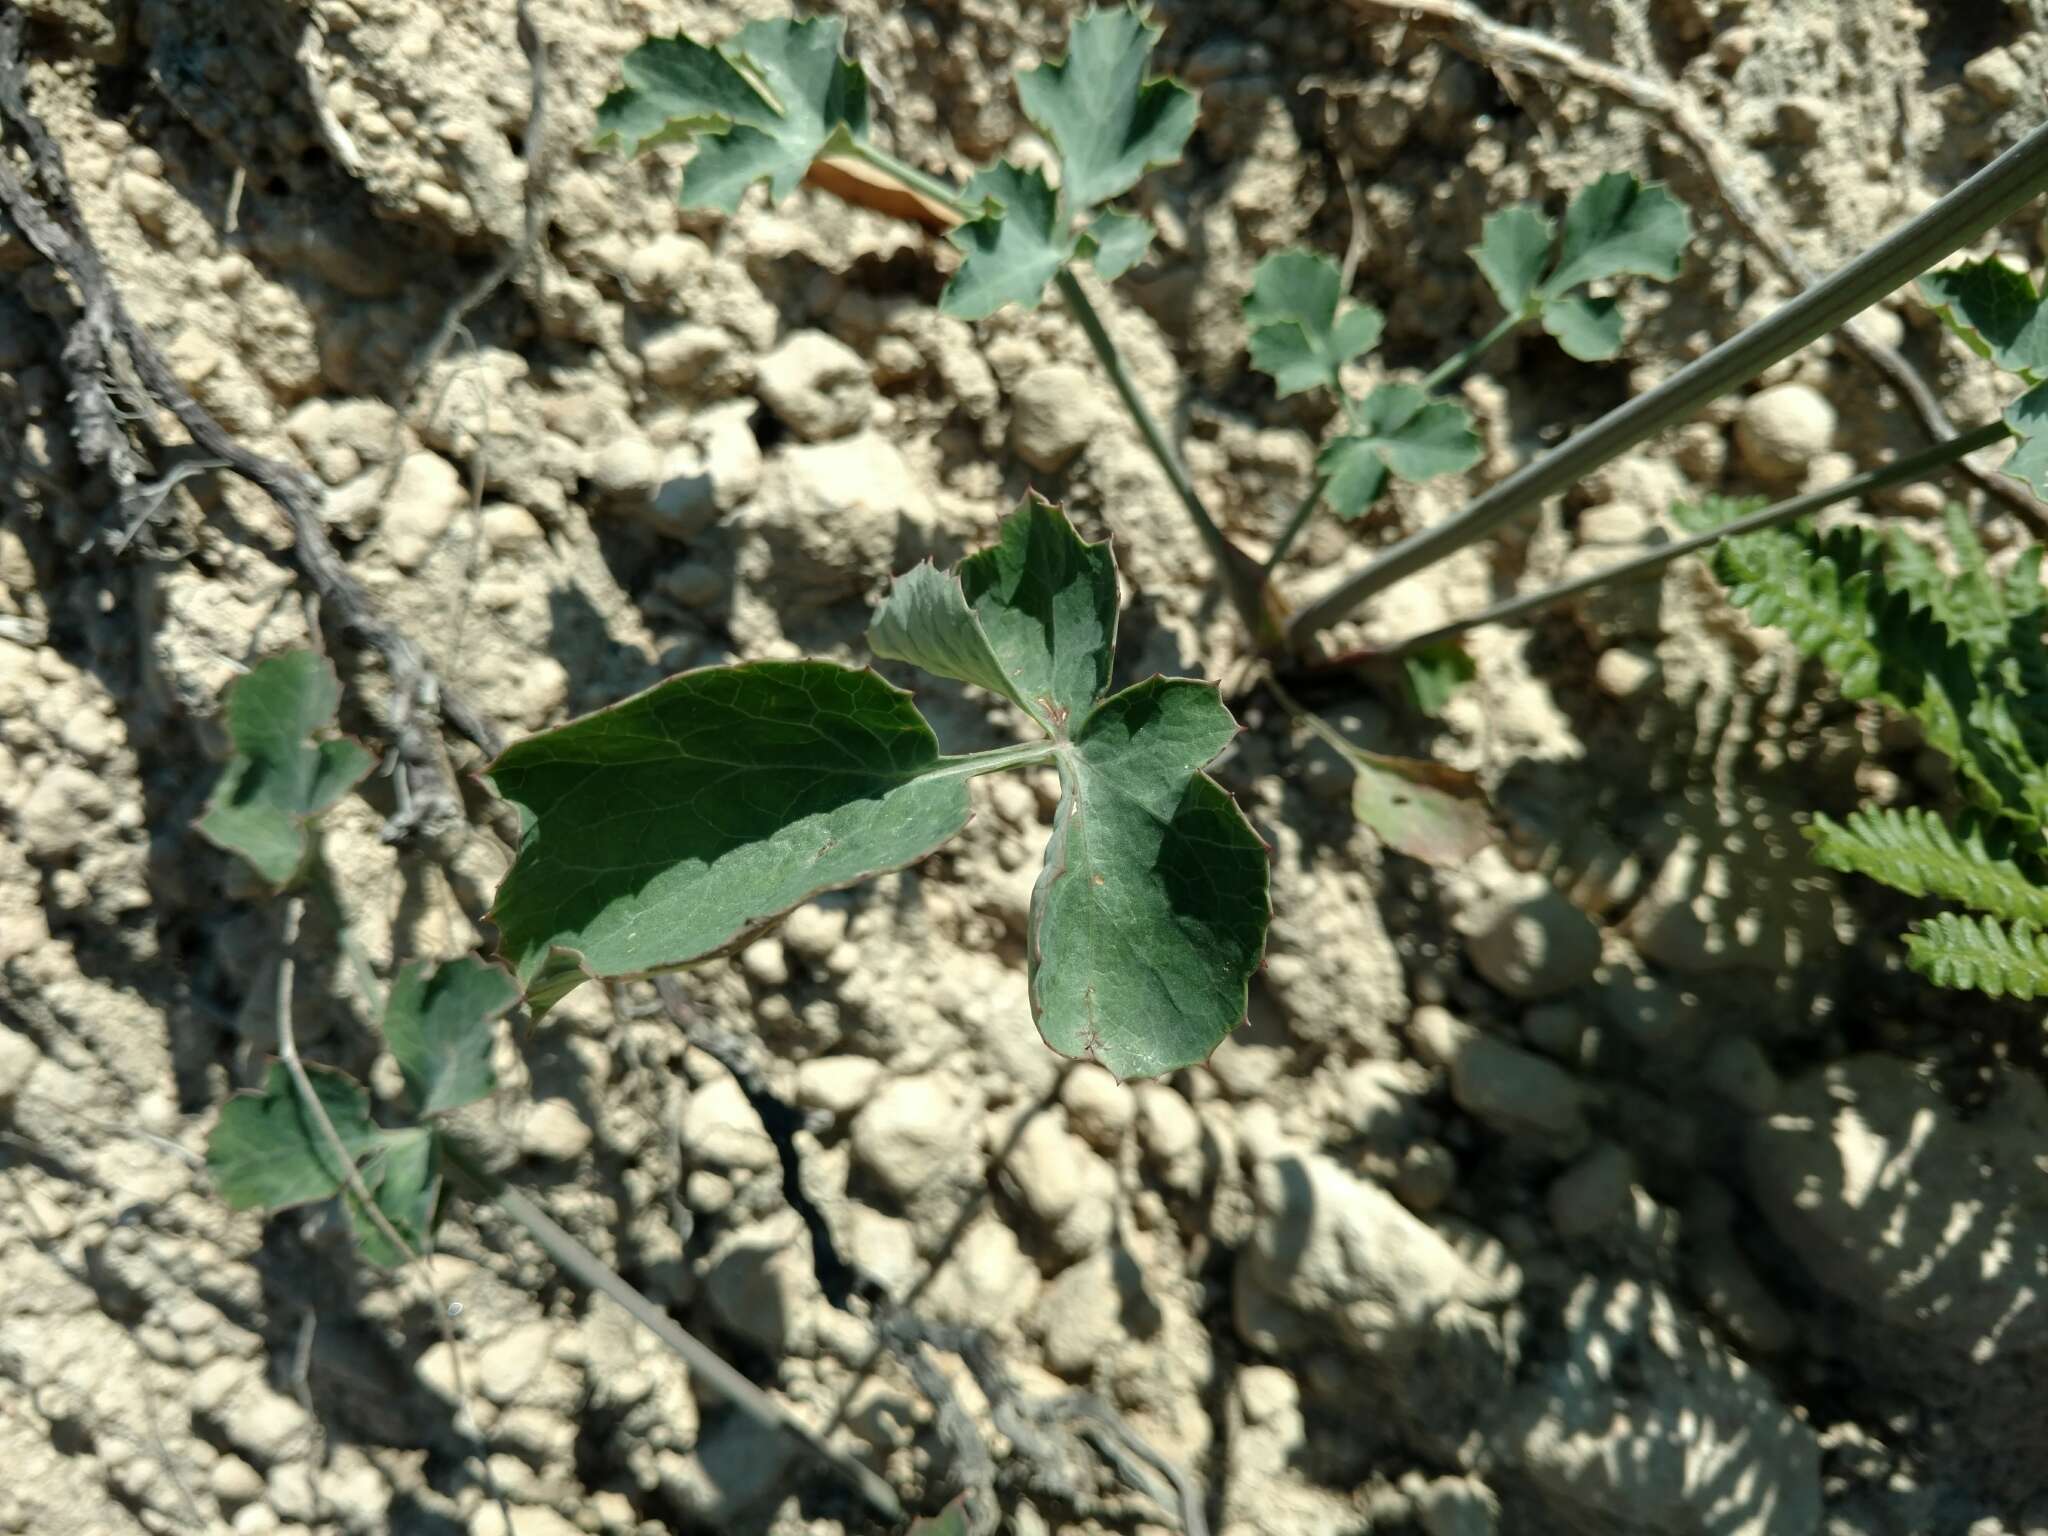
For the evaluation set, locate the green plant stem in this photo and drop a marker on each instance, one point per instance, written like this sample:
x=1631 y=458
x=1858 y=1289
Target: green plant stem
x=1913 y=467
x=972 y=764
x=1243 y=580
x=1297 y=522
x=1451 y=367
x=929 y=186
x=585 y=1266
x=2010 y=181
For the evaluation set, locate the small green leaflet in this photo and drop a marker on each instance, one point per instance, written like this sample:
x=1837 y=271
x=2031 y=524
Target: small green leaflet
x=950 y=1521
x=267 y=1153
x=1954 y=949
x=1016 y=246
x=761 y=107
x=1109 y=125
x=1435 y=673
x=1423 y=809
x=1108 y=121
x=1616 y=227
x=1298 y=333
x=1996 y=310
x=279 y=779
x=675 y=826
x=1400 y=429
x=437 y=1022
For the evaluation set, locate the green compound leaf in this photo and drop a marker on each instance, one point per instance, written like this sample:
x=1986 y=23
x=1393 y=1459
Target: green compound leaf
x=1589 y=329
x=761 y=107
x=1150 y=915
x=1980 y=954
x=1108 y=121
x=1615 y=228
x=279 y=779
x=1398 y=429
x=267 y=1153
x=437 y=1022
x=680 y=823
x=1298 y=335
x=1116 y=242
x=677 y=825
x=1017 y=245
x=402 y=1181
x=1619 y=227
x=1435 y=673
x=1996 y=310
x=2028 y=418
x=1514 y=247
x=1032 y=618
x=1914 y=851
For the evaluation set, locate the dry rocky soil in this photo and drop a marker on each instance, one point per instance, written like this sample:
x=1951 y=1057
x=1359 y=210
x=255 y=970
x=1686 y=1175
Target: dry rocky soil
x=1619 y=1182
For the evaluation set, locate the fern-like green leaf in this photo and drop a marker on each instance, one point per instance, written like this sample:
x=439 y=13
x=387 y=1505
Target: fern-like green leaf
x=1781 y=579
x=1981 y=954
x=1914 y=851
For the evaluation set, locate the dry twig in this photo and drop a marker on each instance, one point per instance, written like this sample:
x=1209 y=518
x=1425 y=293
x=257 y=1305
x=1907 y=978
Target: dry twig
x=1506 y=49
x=104 y=337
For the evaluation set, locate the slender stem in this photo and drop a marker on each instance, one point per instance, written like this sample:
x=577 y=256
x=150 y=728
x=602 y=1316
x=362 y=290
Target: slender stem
x=1297 y=522
x=1024 y=755
x=1242 y=579
x=918 y=181
x=2010 y=181
x=708 y=1367
x=1451 y=367
x=1913 y=467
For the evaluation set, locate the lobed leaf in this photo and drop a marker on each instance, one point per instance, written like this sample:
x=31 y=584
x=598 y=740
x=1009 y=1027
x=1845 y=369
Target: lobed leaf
x=1116 y=242
x=1620 y=227
x=1150 y=915
x=2028 y=418
x=1914 y=851
x=680 y=823
x=267 y=1153
x=1514 y=247
x=1980 y=954
x=437 y=1022
x=1013 y=249
x=1298 y=334
x=279 y=779
x=1109 y=122
x=676 y=825
x=1397 y=429
x=1995 y=309
x=762 y=107
x=402 y=1179
x=1588 y=329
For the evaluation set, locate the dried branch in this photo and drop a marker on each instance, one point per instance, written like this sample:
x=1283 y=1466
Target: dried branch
x=106 y=335
x=1505 y=49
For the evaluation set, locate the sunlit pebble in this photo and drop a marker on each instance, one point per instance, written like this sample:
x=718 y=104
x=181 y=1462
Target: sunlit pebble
x=455 y=1309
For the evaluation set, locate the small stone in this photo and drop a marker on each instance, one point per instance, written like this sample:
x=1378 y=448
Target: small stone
x=1536 y=947
x=838 y=1085
x=985 y=1281
x=1427 y=1176
x=18 y=1060
x=1801 y=118
x=234 y=1482
x=423 y=502
x=1067 y=1188
x=1995 y=75
x=1515 y=1092
x=1593 y=1192
x=1172 y=1135
x=527 y=1520
x=265 y=1426
x=1555 y=1029
x=761 y=1285
x=508 y=1364
x=1098 y=1107
x=916 y=1134
x=554 y=1133
x=765 y=963
x=1737 y=1069
x=626 y=468
x=812 y=932
x=1623 y=672
x=1053 y=412
x=690 y=359
x=817 y=386
x=1782 y=429
x=720 y=1129
x=61 y=812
